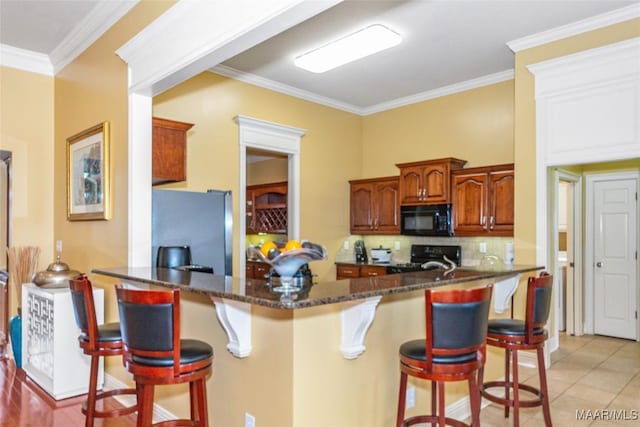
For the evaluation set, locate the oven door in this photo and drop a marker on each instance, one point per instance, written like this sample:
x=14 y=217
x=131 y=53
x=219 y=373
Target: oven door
x=426 y=220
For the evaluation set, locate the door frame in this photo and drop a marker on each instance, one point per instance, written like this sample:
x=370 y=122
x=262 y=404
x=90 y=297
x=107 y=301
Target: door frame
x=577 y=218
x=589 y=288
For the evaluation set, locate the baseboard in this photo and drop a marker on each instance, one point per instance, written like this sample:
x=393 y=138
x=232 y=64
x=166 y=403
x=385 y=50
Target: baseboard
x=159 y=413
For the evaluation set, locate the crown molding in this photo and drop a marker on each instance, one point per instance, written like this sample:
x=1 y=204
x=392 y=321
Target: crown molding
x=575 y=28
x=349 y=108
x=25 y=60
x=256 y=80
x=90 y=29
x=442 y=91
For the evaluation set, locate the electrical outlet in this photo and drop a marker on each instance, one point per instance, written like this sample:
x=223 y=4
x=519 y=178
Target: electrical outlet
x=397 y=245
x=411 y=397
x=345 y=245
x=483 y=248
x=249 y=420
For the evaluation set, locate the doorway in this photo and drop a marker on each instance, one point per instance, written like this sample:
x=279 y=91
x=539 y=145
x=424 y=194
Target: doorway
x=568 y=253
x=611 y=271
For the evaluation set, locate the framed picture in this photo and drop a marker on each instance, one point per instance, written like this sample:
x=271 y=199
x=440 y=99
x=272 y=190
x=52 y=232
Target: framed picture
x=88 y=195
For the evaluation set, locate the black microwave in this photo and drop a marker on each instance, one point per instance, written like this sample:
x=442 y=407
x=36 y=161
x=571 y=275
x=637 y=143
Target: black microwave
x=426 y=220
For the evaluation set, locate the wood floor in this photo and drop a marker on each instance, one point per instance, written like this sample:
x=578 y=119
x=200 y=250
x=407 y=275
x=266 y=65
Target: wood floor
x=24 y=404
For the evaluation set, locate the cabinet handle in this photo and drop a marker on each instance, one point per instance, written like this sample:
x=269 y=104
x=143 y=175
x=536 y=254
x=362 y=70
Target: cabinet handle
x=483 y=221
x=492 y=222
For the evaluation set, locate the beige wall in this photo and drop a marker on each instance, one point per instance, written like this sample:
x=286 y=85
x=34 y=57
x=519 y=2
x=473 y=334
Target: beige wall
x=267 y=171
x=26 y=129
x=476 y=125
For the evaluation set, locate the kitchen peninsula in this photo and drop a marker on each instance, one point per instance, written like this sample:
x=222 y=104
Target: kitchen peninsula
x=293 y=340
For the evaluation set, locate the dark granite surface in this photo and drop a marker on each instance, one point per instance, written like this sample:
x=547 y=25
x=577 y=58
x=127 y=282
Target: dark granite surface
x=260 y=293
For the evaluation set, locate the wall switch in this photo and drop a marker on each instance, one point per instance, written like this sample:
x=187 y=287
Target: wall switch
x=483 y=248
x=411 y=397
x=345 y=245
x=397 y=245
x=249 y=420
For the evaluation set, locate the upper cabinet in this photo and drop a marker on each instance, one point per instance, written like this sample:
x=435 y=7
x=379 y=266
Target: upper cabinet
x=483 y=201
x=427 y=182
x=169 y=152
x=375 y=206
x=267 y=208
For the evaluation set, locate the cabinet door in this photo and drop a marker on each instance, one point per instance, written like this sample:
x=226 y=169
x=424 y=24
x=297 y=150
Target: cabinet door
x=372 y=271
x=270 y=208
x=248 y=270
x=169 y=152
x=387 y=207
x=501 y=191
x=435 y=179
x=250 y=212
x=411 y=185
x=261 y=270
x=361 y=199
x=469 y=204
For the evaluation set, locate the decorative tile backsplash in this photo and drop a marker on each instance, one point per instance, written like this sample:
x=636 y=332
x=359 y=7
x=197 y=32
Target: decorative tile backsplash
x=471 y=254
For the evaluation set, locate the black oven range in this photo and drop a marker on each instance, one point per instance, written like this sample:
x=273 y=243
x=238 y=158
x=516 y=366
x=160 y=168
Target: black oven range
x=423 y=254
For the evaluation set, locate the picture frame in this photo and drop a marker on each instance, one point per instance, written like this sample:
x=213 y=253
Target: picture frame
x=88 y=175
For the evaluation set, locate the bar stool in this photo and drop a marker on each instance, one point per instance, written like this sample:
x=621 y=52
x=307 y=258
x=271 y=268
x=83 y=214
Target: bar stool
x=454 y=350
x=96 y=341
x=156 y=355
x=527 y=334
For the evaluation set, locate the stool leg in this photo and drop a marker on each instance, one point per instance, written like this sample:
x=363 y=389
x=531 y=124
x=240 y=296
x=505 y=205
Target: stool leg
x=507 y=373
x=474 y=395
x=91 y=395
x=198 y=397
x=542 y=372
x=441 y=420
x=516 y=391
x=402 y=395
x=145 y=405
x=434 y=402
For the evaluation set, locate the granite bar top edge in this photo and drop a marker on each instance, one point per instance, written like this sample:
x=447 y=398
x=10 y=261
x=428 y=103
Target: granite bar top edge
x=259 y=293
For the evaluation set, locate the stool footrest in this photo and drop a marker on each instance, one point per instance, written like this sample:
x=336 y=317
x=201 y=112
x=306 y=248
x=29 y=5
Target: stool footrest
x=510 y=402
x=421 y=419
x=114 y=412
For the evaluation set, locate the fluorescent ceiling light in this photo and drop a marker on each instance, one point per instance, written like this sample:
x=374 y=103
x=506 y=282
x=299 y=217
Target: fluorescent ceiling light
x=365 y=42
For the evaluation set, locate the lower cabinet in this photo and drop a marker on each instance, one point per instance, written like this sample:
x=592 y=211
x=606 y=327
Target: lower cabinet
x=346 y=271
x=257 y=270
x=51 y=355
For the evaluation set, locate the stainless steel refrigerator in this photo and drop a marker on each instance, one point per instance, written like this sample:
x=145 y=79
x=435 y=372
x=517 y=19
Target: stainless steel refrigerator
x=202 y=221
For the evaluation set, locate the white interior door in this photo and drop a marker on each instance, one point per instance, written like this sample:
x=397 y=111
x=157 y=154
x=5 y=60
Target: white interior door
x=615 y=263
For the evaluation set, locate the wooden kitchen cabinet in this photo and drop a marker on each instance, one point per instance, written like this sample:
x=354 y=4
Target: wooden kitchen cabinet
x=427 y=182
x=169 y=152
x=375 y=206
x=266 y=209
x=483 y=201
x=352 y=271
x=256 y=270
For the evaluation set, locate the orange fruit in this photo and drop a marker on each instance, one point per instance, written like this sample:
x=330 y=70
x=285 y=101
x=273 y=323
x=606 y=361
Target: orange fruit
x=266 y=247
x=292 y=244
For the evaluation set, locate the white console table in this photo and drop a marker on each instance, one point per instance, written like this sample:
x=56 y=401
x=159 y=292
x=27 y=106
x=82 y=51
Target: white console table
x=51 y=355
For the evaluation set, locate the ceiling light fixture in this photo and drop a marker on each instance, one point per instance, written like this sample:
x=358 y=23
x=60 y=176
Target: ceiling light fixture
x=365 y=42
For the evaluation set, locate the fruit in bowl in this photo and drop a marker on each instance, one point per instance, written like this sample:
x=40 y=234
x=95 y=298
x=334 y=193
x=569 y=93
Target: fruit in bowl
x=287 y=262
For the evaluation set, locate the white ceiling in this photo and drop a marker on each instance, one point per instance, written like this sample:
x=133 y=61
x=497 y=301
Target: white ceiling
x=447 y=45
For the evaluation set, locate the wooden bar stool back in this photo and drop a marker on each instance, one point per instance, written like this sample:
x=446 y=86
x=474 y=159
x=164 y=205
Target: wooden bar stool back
x=95 y=341
x=527 y=334
x=454 y=350
x=155 y=354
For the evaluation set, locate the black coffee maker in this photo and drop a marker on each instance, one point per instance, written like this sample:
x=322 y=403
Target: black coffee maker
x=360 y=251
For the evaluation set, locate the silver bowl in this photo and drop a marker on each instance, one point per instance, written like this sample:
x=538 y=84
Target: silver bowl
x=288 y=263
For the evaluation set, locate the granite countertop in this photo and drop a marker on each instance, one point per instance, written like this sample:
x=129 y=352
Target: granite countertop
x=259 y=292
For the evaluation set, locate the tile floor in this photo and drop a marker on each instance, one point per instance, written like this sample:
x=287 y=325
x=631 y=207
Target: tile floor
x=592 y=375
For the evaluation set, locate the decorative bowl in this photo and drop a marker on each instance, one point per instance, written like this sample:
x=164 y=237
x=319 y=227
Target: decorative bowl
x=288 y=263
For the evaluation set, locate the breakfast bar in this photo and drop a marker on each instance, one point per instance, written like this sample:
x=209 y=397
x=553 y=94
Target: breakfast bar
x=309 y=345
